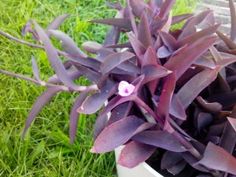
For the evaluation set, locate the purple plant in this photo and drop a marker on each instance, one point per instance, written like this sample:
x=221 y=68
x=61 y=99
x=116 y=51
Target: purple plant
x=171 y=92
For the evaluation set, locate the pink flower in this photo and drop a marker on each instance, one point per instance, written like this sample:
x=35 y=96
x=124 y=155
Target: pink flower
x=125 y=88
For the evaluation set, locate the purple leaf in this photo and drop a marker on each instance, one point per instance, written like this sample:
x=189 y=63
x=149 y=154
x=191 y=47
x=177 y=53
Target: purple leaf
x=150 y=57
x=185 y=57
x=163 y=52
x=55 y=24
x=203 y=120
x=135 y=153
x=35 y=69
x=205 y=62
x=93 y=103
x=169 y=41
x=190 y=26
x=54 y=58
x=116 y=134
x=74 y=115
x=120 y=112
x=68 y=44
x=114 y=60
x=138 y=47
x=91 y=46
x=211 y=107
x=144 y=33
x=180 y=18
x=226 y=61
x=100 y=124
x=72 y=73
x=227 y=140
x=233 y=20
x=164 y=104
x=173 y=162
x=166 y=7
x=154 y=72
x=176 y=109
x=88 y=73
x=170 y=159
x=39 y=104
x=198 y=35
x=116 y=101
x=161 y=139
x=217 y=158
x=117 y=22
x=27 y=28
x=112 y=36
x=229 y=43
x=138 y=7
x=190 y=90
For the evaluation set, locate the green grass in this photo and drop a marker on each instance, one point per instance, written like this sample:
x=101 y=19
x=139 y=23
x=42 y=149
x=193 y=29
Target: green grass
x=46 y=150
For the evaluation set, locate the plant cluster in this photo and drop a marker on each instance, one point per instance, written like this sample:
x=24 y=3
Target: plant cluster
x=166 y=91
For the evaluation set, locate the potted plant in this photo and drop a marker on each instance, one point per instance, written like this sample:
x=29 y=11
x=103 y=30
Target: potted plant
x=170 y=94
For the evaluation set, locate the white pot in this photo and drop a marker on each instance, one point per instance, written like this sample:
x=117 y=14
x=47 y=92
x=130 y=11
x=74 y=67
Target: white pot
x=142 y=170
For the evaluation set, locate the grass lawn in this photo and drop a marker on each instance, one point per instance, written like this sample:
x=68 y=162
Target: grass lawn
x=46 y=150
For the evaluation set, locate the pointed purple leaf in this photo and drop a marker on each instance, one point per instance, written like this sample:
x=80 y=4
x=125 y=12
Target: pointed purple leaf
x=154 y=72
x=164 y=104
x=169 y=41
x=170 y=159
x=54 y=58
x=112 y=36
x=227 y=140
x=144 y=33
x=211 y=107
x=185 y=57
x=68 y=44
x=116 y=134
x=216 y=158
x=100 y=124
x=173 y=162
x=205 y=62
x=163 y=52
x=93 y=103
x=92 y=46
x=166 y=8
x=74 y=115
x=138 y=6
x=39 y=104
x=135 y=153
x=114 y=60
x=203 y=120
x=180 y=18
x=161 y=139
x=176 y=109
x=198 y=35
x=120 y=112
x=229 y=43
x=190 y=90
x=55 y=24
x=150 y=57
x=190 y=26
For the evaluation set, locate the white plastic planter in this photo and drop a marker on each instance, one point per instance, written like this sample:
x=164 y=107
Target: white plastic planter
x=142 y=170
